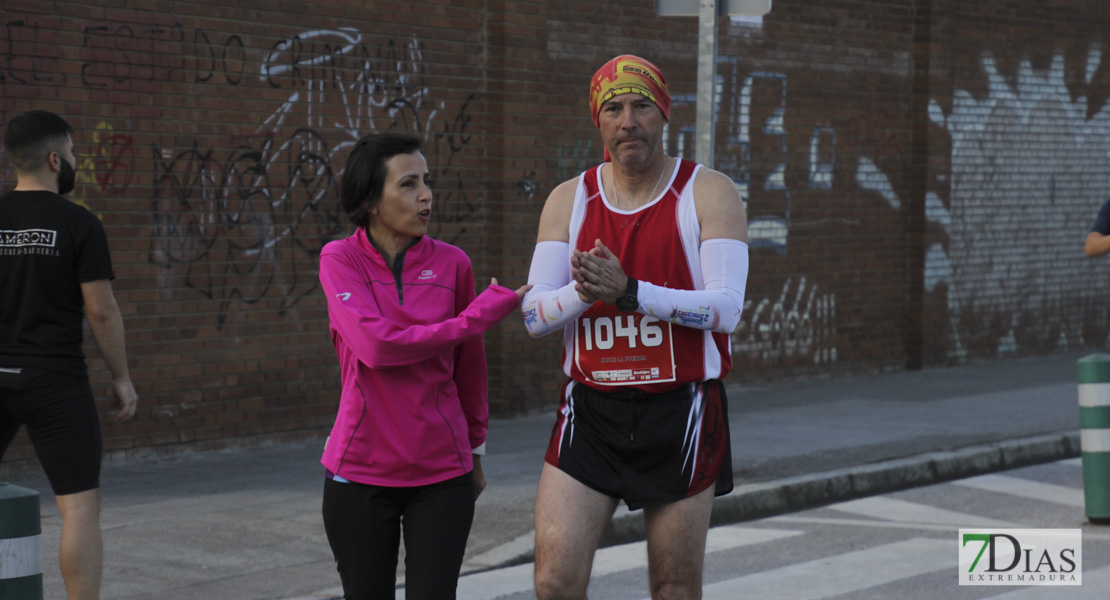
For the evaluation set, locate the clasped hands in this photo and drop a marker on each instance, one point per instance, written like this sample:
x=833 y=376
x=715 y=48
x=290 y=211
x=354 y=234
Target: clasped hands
x=598 y=275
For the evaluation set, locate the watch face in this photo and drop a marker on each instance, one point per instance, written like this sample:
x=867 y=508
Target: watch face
x=628 y=303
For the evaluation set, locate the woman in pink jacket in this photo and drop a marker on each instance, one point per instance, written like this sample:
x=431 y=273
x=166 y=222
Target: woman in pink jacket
x=411 y=427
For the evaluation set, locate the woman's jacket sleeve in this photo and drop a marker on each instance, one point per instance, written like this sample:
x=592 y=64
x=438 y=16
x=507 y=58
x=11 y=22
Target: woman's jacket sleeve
x=378 y=342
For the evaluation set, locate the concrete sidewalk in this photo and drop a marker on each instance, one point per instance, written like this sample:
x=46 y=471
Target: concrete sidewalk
x=245 y=524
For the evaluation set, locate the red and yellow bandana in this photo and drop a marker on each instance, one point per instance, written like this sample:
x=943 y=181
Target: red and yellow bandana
x=627 y=74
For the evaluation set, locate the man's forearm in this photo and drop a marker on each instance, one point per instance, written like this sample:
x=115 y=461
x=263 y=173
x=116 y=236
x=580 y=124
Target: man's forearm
x=108 y=335
x=1097 y=244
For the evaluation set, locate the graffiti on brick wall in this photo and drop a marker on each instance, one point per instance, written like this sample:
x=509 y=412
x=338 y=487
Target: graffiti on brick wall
x=242 y=215
x=113 y=157
x=241 y=221
x=105 y=164
x=760 y=99
x=875 y=132
x=526 y=186
x=21 y=64
x=1030 y=168
x=380 y=87
x=800 y=323
x=753 y=152
x=445 y=139
x=753 y=107
x=115 y=54
x=21 y=52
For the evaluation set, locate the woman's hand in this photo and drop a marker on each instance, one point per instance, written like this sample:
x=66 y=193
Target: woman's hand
x=520 y=291
x=479 y=477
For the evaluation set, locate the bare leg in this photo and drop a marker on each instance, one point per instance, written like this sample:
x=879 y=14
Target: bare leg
x=80 y=555
x=676 y=535
x=570 y=519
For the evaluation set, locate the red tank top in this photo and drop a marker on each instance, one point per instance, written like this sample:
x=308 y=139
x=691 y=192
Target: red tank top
x=658 y=243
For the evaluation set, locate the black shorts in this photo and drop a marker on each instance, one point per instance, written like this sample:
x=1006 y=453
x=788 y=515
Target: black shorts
x=645 y=449
x=62 y=422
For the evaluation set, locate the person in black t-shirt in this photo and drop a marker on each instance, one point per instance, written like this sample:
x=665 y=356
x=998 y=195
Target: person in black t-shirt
x=54 y=269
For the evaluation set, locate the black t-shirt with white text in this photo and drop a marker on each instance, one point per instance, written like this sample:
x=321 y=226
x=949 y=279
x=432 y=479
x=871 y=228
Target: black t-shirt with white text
x=49 y=246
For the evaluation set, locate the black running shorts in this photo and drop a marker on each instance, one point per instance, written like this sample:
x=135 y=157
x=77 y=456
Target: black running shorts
x=645 y=449
x=62 y=422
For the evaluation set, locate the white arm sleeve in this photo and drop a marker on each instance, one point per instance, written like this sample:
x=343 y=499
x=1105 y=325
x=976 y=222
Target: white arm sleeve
x=552 y=303
x=724 y=266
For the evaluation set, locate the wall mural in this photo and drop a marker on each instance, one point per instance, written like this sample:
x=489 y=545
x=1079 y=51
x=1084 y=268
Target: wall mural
x=1017 y=210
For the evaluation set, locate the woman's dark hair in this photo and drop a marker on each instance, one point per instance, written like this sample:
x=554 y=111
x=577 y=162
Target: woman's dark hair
x=365 y=173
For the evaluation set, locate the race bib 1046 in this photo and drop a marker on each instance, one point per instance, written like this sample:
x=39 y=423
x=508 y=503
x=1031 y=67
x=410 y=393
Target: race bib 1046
x=624 y=349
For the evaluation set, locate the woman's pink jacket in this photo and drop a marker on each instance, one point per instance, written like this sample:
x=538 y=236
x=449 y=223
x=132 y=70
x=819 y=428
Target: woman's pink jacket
x=411 y=359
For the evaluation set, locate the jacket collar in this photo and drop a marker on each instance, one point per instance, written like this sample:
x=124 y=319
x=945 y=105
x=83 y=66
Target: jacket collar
x=415 y=251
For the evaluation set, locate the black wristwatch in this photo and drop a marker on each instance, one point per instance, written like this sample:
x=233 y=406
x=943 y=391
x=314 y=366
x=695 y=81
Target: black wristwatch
x=629 y=302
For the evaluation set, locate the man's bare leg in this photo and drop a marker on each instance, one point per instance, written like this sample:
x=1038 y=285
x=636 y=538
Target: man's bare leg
x=676 y=535
x=81 y=555
x=570 y=519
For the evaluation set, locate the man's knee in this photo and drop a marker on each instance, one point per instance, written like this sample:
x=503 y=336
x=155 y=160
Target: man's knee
x=82 y=506
x=549 y=586
x=560 y=580
x=677 y=590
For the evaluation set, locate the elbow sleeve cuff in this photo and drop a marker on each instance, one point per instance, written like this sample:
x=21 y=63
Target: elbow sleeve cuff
x=552 y=303
x=718 y=307
x=547 y=311
x=724 y=266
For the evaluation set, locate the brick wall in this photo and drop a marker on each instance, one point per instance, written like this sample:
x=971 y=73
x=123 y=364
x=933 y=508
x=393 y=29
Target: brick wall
x=1018 y=139
x=920 y=176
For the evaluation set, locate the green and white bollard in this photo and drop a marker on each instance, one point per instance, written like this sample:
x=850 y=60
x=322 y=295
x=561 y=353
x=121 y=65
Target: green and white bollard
x=1094 y=434
x=20 y=544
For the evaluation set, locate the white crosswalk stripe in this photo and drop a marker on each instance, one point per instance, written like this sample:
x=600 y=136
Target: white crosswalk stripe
x=1024 y=488
x=503 y=582
x=892 y=509
x=841 y=574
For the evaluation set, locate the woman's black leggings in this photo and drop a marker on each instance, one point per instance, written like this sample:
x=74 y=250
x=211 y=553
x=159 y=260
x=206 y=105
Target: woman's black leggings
x=364 y=524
